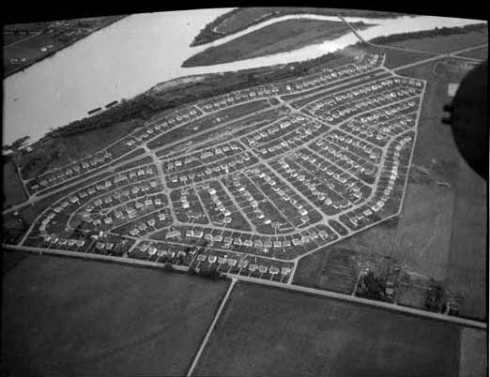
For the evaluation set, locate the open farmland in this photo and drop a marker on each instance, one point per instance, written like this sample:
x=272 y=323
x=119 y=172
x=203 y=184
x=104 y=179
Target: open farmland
x=473 y=359
x=466 y=253
x=279 y=37
x=273 y=332
x=77 y=317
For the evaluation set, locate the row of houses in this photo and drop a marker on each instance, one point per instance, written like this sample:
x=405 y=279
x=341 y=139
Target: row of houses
x=333 y=175
x=165 y=123
x=303 y=83
x=204 y=156
x=70 y=172
x=210 y=170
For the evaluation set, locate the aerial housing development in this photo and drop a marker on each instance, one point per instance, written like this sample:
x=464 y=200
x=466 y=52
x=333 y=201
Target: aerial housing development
x=271 y=191
x=263 y=176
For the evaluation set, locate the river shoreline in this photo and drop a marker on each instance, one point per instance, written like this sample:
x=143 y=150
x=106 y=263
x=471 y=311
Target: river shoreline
x=95 y=72
x=54 y=52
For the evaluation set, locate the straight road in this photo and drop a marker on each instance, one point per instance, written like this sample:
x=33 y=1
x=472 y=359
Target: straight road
x=211 y=328
x=235 y=278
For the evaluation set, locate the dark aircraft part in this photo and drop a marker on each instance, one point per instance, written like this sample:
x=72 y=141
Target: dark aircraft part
x=469 y=119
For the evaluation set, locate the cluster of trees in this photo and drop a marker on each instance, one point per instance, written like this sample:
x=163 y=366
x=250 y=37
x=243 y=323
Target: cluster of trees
x=37 y=161
x=17 y=150
x=436 y=298
x=13 y=229
x=141 y=107
x=207 y=273
x=429 y=33
x=372 y=287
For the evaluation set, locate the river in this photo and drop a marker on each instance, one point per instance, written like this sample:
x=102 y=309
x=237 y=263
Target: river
x=140 y=51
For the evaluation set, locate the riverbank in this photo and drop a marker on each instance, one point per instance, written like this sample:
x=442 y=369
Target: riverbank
x=276 y=38
x=115 y=65
x=59 y=45
x=242 y=18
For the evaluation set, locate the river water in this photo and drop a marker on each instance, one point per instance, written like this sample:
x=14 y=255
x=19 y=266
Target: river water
x=140 y=51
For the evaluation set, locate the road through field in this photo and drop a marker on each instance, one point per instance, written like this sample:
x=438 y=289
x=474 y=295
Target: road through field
x=211 y=327
x=313 y=291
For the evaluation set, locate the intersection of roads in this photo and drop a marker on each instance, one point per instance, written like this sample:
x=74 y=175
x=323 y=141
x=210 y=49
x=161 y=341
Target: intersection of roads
x=262 y=177
x=248 y=182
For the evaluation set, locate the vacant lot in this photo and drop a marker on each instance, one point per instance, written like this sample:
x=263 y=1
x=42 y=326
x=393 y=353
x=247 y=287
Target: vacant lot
x=273 y=332
x=445 y=44
x=13 y=192
x=279 y=37
x=72 y=317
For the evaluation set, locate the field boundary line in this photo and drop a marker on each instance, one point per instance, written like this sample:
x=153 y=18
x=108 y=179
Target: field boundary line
x=234 y=278
x=397 y=309
x=211 y=328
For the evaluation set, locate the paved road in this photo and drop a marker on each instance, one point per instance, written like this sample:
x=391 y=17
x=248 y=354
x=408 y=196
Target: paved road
x=438 y=57
x=195 y=136
x=287 y=286
x=261 y=160
x=211 y=328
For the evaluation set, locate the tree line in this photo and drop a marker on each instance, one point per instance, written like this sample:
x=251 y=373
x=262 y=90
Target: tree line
x=438 y=31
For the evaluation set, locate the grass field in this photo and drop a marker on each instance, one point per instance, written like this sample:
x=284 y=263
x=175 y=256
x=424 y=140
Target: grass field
x=424 y=231
x=65 y=317
x=11 y=259
x=13 y=192
x=479 y=53
x=279 y=37
x=272 y=332
x=444 y=44
x=468 y=259
x=474 y=353
x=436 y=150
